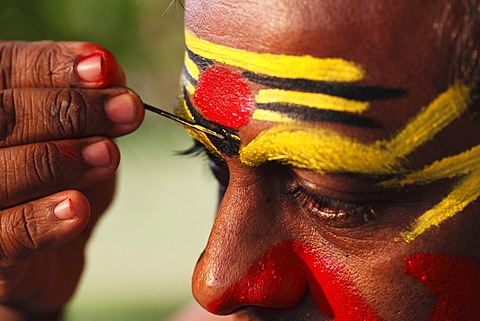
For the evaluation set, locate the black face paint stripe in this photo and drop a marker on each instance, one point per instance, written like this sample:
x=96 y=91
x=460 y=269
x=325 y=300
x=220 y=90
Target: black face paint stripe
x=337 y=89
x=305 y=113
x=203 y=63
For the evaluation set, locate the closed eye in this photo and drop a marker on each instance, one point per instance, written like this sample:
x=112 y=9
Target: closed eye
x=333 y=212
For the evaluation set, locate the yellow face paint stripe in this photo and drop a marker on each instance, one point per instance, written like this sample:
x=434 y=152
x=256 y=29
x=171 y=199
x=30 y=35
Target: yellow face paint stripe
x=284 y=66
x=327 y=152
x=467 y=191
x=324 y=150
x=430 y=121
x=446 y=168
x=271 y=116
x=313 y=100
x=191 y=67
x=319 y=150
x=187 y=84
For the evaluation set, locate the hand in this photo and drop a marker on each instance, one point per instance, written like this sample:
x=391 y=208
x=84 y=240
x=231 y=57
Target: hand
x=60 y=105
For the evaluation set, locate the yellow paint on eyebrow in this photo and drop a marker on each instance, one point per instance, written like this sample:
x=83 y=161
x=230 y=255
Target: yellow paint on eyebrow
x=324 y=150
x=318 y=149
x=283 y=66
x=313 y=100
x=191 y=67
x=271 y=116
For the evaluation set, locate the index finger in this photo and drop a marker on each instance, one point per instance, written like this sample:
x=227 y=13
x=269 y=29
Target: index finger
x=52 y=64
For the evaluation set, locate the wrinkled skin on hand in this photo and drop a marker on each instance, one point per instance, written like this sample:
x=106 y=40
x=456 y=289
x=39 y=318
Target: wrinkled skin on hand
x=56 y=148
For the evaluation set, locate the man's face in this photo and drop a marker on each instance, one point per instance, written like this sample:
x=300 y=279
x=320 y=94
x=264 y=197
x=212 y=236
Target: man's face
x=349 y=163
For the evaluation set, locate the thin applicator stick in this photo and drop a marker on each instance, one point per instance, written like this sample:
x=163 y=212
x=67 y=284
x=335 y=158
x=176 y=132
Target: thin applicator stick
x=182 y=121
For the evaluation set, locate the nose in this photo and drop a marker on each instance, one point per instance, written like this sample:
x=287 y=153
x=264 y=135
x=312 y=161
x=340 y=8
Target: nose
x=246 y=261
x=258 y=256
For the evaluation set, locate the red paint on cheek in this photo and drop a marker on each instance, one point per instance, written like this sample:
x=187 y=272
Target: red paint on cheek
x=453 y=280
x=224 y=97
x=281 y=276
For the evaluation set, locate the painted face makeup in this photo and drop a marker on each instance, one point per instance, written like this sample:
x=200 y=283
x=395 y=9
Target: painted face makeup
x=326 y=90
x=296 y=87
x=224 y=97
x=453 y=280
x=323 y=90
x=283 y=273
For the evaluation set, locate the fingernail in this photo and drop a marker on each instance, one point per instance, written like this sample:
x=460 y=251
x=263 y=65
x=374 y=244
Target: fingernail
x=121 y=109
x=97 y=154
x=64 y=209
x=90 y=68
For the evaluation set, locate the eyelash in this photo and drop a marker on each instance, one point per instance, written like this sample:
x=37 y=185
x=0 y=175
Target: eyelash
x=333 y=211
x=217 y=166
x=330 y=210
x=197 y=149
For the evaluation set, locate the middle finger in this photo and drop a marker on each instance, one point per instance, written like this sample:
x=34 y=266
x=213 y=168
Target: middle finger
x=38 y=115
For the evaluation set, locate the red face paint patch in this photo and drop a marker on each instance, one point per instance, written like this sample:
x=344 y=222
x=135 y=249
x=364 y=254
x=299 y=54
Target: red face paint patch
x=224 y=97
x=453 y=280
x=281 y=276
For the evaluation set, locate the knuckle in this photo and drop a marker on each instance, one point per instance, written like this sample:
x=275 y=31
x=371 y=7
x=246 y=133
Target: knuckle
x=7 y=50
x=18 y=235
x=7 y=115
x=50 y=66
x=45 y=169
x=69 y=113
x=36 y=170
x=34 y=64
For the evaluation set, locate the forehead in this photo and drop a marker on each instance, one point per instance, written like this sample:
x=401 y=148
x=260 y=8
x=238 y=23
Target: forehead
x=339 y=28
x=395 y=41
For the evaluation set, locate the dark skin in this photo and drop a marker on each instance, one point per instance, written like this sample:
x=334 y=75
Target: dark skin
x=42 y=243
x=70 y=159
x=400 y=46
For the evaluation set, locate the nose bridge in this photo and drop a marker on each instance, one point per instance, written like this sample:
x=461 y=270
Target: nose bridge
x=246 y=226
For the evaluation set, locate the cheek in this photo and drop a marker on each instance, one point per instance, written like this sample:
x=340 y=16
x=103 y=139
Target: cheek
x=331 y=280
x=454 y=281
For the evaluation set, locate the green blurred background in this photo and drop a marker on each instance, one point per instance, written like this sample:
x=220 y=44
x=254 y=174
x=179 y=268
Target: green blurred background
x=141 y=256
